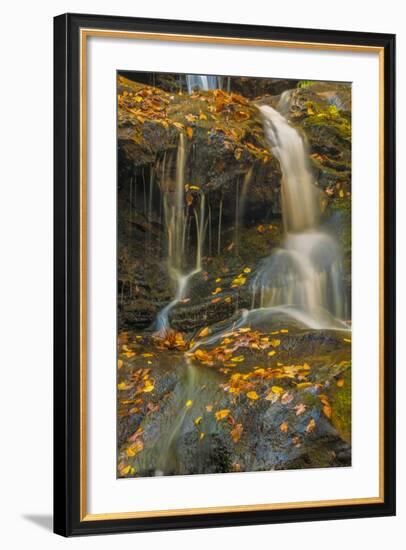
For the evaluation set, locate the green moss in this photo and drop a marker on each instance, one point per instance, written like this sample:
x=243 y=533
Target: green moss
x=340 y=399
x=322 y=115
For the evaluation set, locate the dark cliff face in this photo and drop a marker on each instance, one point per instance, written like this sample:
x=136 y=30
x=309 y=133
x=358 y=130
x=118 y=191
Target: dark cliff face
x=227 y=159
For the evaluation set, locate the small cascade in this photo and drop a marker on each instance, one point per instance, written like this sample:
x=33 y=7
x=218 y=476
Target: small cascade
x=177 y=218
x=201 y=82
x=305 y=273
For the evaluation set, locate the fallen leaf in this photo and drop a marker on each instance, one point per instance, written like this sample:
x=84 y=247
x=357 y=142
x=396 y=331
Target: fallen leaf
x=277 y=389
x=236 y=433
x=201 y=436
x=198 y=420
x=188 y=403
x=148 y=387
x=222 y=414
x=284 y=427
x=271 y=353
x=327 y=410
x=286 y=398
x=252 y=395
x=120 y=363
x=340 y=382
x=135 y=448
x=311 y=425
x=123 y=386
x=275 y=342
x=217 y=290
x=209 y=408
x=300 y=409
x=189 y=132
x=247 y=270
x=136 y=435
x=204 y=332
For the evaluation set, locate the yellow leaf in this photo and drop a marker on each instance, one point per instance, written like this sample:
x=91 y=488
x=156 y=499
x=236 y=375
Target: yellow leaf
x=123 y=386
x=198 y=420
x=311 y=425
x=126 y=470
x=277 y=389
x=209 y=408
x=284 y=427
x=238 y=281
x=135 y=448
x=271 y=353
x=120 y=363
x=201 y=436
x=189 y=132
x=222 y=414
x=202 y=116
x=252 y=395
x=228 y=299
x=348 y=340
x=194 y=187
x=218 y=279
x=275 y=342
x=238 y=359
x=204 y=332
x=217 y=290
x=148 y=355
x=129 y=354
x=188 y=403
x=284 y=330
x=247 y=270
x=341 y=193
x=340 y=382
x=149 y=386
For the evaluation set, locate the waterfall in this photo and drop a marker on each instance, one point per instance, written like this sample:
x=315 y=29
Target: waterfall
x=177 y=223
x=305 y=274
x=201 y=82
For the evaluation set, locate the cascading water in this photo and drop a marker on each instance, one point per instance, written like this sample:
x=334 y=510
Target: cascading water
x=305 y=273
x=201 y=82
x=177 y=220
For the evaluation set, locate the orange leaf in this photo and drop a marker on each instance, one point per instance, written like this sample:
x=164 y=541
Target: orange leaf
x=284 y=427
x=236 y=432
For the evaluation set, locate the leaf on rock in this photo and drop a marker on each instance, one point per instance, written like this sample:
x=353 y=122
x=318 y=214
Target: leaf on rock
x=220 y=415
x=311 y=426
x=252 y=395
x=284 y=427
x=300 y=409
x=204 y=332
x=135 y=448
x=236 y=432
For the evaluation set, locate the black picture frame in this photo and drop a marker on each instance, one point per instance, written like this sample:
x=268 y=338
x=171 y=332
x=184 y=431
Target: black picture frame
x=67 y=347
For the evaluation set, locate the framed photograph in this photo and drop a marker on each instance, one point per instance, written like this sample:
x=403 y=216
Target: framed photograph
x=224 y=274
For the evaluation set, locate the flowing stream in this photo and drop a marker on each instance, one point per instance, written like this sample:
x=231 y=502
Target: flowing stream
x=305 y=274
x=201 y=82
x=177 y=220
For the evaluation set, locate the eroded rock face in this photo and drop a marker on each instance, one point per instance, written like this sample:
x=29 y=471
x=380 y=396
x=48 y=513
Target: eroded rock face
x=228 y=159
